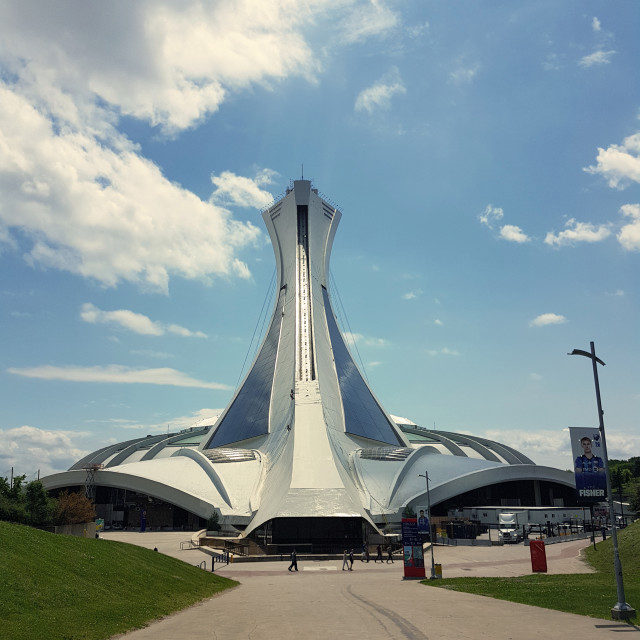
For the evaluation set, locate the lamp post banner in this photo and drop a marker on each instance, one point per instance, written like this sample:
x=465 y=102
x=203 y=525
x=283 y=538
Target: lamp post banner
x=423 y=519
x=588 y=464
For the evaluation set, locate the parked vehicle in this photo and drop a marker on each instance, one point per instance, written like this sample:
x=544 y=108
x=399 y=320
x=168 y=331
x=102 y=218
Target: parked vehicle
x=510 y=526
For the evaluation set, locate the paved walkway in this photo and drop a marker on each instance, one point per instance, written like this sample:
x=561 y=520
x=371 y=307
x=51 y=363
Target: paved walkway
x=372 y=601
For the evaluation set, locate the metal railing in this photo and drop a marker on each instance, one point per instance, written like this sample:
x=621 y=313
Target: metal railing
x=219 y=558
x=187 y=544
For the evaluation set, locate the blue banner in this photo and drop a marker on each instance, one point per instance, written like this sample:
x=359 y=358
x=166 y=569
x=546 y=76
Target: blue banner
x=588 y=464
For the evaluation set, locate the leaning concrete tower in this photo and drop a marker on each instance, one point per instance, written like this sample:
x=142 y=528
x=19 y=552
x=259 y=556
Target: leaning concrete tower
x=304 y=404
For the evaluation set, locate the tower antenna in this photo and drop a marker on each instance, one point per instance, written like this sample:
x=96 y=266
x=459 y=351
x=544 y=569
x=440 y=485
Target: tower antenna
x=302 y=178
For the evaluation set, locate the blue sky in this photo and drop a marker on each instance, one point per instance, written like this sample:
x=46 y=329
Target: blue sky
x=485 y=157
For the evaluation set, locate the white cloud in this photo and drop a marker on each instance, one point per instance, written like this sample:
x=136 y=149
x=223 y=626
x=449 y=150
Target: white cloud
x=622 y=446
x=379 y=95
x=629 y=235
x=135 y=322
x=366 y=19
x=546 y=319
x=166 y=62
x=491 y=215
x=513 y=234
x=106 y=213
x=412 y=295
x=595 y=24
x=553 y=62
x=596 y=58
x=552 y=447
x=29 y=450
x=241 y=191
x=578 y=232
x=365 y=340
x=417 y=30
x=445 y=351
x=619 y=164
x=464 y=73
x=130 y=320
x=184 y=332
x=115 y=373
x=83 y=197
x=150 y=353
x=546 y=447
x=438 y=322
x=200 y=418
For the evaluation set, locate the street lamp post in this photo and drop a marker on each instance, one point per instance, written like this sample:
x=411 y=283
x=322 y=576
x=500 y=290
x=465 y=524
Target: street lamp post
x=433 y=565
x=622 y=610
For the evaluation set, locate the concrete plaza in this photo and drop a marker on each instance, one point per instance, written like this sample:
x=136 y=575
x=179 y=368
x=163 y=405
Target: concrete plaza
x=372 y=601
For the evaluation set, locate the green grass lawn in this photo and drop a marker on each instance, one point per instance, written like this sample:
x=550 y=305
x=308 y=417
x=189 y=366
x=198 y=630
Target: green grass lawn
x=591 y=594
x=68 y=588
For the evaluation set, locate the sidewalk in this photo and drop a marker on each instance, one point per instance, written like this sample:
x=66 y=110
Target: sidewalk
x=373 y=601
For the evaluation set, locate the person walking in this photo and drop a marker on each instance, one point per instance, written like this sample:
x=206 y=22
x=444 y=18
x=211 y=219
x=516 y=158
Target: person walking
x=390 y=553
x=351 y=560
x=345 y=561
x=294 y=561
x=379 y=556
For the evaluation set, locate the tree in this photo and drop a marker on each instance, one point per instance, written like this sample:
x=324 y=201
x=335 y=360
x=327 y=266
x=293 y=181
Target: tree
x=38 y=504
x=12 y=501
x=213 y=522
x=619 y=477
x=15 y=492
x=5 y=487
x=634 y=500
x=73 y=508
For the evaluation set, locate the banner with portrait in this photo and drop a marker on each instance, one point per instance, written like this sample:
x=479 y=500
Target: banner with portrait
x=423 y=519
x=589 y=464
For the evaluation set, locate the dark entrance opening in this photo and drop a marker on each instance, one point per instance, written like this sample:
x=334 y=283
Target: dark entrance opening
x=316 y=535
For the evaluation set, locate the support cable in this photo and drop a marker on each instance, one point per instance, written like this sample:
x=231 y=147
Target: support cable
x=334 y=287
x=263 y=318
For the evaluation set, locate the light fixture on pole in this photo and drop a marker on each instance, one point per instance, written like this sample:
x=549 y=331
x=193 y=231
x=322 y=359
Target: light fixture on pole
x=622 y=610
x=433 y=565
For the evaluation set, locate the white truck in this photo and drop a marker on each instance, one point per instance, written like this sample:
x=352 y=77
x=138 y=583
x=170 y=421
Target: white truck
x=510 y=526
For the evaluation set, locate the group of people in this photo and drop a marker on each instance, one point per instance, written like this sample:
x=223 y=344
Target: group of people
x=347 y=560
x=379 y=554
x=347 y=557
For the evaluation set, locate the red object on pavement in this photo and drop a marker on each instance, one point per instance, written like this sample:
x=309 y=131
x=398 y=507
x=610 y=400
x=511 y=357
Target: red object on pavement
x=538 y=556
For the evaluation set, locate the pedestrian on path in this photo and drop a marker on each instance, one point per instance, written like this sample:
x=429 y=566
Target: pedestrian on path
x=379 y=556
x=390 y=553
x=345 y=561
x=351 y=560
x=294 y=561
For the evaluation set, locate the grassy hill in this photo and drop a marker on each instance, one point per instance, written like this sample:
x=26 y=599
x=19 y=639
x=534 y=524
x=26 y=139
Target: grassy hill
x=66 y=588
x=585 y=594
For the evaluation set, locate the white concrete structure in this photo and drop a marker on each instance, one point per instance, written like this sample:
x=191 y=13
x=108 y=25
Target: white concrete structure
x=305 y=450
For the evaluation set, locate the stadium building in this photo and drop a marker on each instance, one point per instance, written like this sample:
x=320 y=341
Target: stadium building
x=305 y=453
